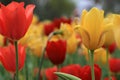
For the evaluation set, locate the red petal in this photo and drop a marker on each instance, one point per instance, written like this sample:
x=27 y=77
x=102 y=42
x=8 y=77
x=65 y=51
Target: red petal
x=2 y=26
x=15 y=22
x=29 y=13
x=8 y=58
x=13 y=5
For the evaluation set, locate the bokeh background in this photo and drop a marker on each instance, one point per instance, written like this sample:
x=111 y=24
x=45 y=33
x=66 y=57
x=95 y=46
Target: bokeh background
x=50 y=9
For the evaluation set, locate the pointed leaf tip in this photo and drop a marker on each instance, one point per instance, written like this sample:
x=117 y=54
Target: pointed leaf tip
x=66 y=76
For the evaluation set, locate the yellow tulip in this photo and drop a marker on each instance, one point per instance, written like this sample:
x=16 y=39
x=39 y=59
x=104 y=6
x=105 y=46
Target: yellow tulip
x=34 y=39
x=109 y=36
x=92 y=28
x=99 y=55
x=36 y=46
x=72 y=43
x=35 y=19
x=67 y=30
x=116 y=22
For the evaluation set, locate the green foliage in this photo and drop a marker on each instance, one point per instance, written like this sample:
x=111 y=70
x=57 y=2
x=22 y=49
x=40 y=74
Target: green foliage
x=65 y=76
x=56 y=8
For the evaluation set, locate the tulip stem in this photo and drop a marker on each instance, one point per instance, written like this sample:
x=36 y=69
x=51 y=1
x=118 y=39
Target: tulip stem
x=16 y=49
x=43 y=52
x=41 y=62
x=108 y=67
x=26 y=65
x=91 y=52
x=14 y=76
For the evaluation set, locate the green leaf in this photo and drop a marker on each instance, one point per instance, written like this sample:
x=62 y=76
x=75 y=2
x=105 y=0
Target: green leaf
x=65 y=76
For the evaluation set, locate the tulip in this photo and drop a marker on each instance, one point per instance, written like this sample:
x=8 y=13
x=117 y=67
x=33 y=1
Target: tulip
x=15 y=20
x=67 y=30
x=99 y=55
x=86 y=72
x=109 y=36
x=112 y=48
x=116 y=22
x=114 y=65
x=112 y=78
x=49 y=28
x=72 y=44
x=58 y=21
x=8 y=57
x=35 y=19
x=92 y=28
x=49 y=72
x=34 y=40
x=73 y=69
x=56 y=51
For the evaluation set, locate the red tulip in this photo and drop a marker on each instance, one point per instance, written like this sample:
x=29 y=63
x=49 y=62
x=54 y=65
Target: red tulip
x=73 y=69
x=58 y=21
x=49 y=72
x=114 y=65
x=113 y=78
x=56 y=51
x=86 y=72
x=112 y=47
x=65 y=20
x=15 y=19
x=8 y=57
x=48 y=28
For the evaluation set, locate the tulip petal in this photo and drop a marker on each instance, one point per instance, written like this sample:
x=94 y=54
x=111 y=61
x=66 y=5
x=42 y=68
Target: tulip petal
x=101 y=40
x=13 y=5
x=7 y=57
x=14 y=29
x=2 y=28
x=85 y=37
x=29 y=13
x=117 y=37
x=82 y=17
x=116 y=20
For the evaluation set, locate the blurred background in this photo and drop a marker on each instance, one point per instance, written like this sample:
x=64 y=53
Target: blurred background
x=50 y=9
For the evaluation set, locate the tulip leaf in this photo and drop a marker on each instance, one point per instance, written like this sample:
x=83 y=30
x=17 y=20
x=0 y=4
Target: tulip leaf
x=65 y=76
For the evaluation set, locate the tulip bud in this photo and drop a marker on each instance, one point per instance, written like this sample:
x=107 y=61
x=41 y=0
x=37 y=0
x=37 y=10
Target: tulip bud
x=56 y=51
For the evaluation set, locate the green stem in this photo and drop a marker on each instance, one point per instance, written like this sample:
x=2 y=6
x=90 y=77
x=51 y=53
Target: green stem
x=14 y=76
x=108 y=67
x=26 y=66
x=91 y=52
x=16 y=49
x=41 y=62
x=43 y=52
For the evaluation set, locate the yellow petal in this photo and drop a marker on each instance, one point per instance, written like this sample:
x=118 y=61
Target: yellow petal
x=72 y=44
x=67 y=30
x=85 y=37
x=117 y=37
x=116 y=20
x=84 y=12
x=93 y=20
